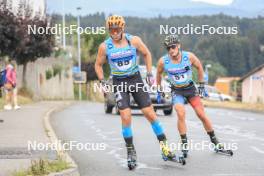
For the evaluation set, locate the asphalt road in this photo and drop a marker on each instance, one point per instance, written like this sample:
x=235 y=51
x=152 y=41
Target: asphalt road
x=86 y=123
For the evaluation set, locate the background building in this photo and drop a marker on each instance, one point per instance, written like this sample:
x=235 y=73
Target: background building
x=227 y=85
x=253 y=86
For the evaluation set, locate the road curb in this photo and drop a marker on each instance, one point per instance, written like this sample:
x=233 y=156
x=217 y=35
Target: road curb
x=73 y=171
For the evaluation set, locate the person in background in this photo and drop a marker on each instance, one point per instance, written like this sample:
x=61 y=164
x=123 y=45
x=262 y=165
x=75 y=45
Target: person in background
x=11 y=86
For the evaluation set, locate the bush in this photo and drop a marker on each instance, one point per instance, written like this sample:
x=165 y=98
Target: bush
x=49 y=74
x=25 y=92
x=57 y=69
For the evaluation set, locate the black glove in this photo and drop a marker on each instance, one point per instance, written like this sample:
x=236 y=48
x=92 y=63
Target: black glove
x=201 y=90
x=104 y=85
x=150 y=79
x=103 y=82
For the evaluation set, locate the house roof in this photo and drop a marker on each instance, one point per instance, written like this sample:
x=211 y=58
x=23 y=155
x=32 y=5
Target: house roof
x=227 y=79
x=252 y=72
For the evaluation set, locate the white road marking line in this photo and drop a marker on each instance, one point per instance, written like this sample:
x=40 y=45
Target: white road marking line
x=257 y=149
x=237 y=174
x=113 y=152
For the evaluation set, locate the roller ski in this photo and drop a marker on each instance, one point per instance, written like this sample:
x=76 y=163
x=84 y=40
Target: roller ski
x=131 y=157
x=219 y=148
x=167 y=155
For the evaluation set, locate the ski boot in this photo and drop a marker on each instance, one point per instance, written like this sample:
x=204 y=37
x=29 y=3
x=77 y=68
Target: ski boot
x=184 y=148
x=131 y=157
x=219 y=148
x=167 y=155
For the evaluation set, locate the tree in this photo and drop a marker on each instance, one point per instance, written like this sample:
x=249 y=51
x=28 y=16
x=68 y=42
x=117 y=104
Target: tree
x=20 y=44
x=90 y=45
x=8 y=31
x=236 y=54
x=32 y=46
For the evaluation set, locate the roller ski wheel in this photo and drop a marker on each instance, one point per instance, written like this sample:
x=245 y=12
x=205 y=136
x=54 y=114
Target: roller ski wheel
x=220 y=149
x=131 y=158
x=224 y=151
x=131 y=165
x=167 y=155
x=182 y=160
x=176 y=159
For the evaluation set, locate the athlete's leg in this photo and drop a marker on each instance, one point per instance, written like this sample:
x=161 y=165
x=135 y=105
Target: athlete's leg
x=178 y=101
x=123 y=103
x=151 y=116
x=180 y=110
x=126 y=119
x=142 y=98
x=128 y=137
x=122 y=98
x=199 y=110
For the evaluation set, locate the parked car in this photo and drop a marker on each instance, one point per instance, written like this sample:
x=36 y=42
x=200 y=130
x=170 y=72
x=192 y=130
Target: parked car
x=215 y=95
x=225 y=97
x=165 y=105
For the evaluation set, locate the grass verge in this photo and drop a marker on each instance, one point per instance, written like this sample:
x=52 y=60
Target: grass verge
x=256 y=107
x=43 y=167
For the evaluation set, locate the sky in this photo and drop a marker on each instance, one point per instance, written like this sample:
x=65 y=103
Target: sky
x=91 y=6
x=216 y=2
x=141 y=8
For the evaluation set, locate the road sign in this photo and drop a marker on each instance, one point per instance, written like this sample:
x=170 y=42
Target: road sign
x=257 y=77
x=206 y=77
x=76 y=69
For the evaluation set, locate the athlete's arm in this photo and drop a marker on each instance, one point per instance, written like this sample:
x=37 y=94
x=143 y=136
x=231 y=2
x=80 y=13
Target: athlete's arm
x=142 y=48
x=198 y=65
x=100 y=61
x=159 y=71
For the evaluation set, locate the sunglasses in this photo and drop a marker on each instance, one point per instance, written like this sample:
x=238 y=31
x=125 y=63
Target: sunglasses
x=115 y=30
x=171 y=46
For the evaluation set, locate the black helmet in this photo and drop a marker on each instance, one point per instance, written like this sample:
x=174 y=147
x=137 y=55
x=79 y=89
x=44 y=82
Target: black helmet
x=171 y=39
